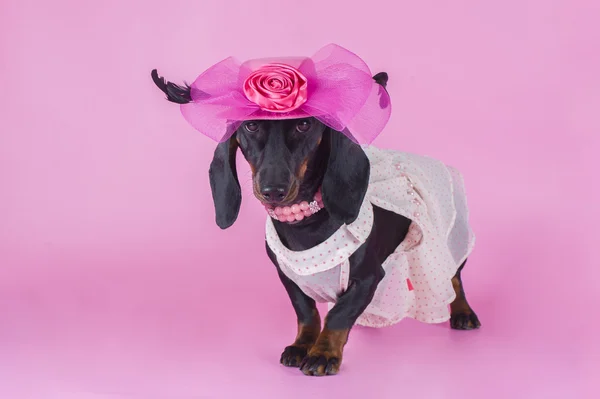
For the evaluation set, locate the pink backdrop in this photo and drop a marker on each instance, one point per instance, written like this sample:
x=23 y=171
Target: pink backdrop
x=115 y=282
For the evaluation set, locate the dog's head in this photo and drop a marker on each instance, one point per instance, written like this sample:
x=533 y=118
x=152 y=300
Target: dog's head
x=290 y=160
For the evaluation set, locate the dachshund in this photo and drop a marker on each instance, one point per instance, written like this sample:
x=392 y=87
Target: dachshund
x=291 y=160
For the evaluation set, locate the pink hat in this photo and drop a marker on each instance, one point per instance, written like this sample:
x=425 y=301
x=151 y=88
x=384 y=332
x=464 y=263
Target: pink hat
x=335 y=86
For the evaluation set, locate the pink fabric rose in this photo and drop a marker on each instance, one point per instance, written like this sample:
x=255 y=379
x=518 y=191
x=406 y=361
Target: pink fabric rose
x=276 y=88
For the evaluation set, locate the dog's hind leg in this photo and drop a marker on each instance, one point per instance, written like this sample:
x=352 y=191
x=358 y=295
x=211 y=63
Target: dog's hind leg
x=462 y=317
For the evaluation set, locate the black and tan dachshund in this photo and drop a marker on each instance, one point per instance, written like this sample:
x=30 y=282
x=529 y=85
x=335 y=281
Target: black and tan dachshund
x=290 y=161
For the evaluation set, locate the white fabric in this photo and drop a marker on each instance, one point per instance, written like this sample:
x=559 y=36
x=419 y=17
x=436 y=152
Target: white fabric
x=422 y=189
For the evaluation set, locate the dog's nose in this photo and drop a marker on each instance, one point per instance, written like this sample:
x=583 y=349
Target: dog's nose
x=274 y=194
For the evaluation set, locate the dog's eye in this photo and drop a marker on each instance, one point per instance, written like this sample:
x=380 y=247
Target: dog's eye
x=303 y=126
x=251 y=127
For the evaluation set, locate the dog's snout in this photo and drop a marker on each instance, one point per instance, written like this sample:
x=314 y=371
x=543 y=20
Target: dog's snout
x=274 y=182
x=274 y=194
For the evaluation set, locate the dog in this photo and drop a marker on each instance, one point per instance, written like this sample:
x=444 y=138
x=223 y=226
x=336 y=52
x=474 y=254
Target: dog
x=295 y=161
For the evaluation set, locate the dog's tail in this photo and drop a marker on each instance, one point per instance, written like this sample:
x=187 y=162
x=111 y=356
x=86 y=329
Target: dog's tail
x=175 y=93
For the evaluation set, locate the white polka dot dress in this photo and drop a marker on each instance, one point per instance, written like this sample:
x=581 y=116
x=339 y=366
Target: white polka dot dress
x=418 y=274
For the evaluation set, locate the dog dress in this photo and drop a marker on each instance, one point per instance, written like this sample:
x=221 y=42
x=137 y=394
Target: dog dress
x=418 y=274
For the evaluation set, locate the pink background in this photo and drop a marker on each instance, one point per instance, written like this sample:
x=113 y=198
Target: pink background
x=115 y=281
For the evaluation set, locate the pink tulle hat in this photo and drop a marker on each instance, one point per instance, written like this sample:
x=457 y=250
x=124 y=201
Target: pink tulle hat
x=334 y=86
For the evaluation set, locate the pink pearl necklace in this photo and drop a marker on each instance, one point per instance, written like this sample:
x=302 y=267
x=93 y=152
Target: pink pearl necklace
x=296 y=212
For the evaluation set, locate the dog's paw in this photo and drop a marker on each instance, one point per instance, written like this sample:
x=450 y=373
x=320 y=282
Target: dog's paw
x=464 y=321
x=319 y=364
x=293 y=355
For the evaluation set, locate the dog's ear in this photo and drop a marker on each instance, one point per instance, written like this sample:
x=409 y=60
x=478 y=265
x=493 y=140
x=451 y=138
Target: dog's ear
x=224 y=183
x=175 y=93
x=346 y=179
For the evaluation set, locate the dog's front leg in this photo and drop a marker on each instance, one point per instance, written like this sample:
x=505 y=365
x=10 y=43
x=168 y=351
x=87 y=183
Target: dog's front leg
x=309 y=320
x=325 y=356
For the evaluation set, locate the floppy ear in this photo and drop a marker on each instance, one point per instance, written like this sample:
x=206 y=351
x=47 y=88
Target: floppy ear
x=226 y=191
x=346 y=178
x=175 y=93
